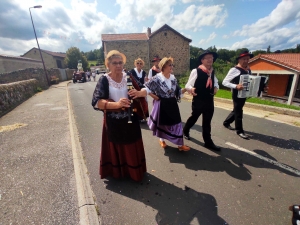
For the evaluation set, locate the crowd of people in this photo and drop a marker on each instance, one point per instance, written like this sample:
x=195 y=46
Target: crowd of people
x=122 y=149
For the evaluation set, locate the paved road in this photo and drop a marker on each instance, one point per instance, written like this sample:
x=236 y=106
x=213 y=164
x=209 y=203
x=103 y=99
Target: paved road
x=248 y=182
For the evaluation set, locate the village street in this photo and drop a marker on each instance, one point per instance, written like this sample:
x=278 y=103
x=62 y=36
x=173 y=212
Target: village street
x=248 y=182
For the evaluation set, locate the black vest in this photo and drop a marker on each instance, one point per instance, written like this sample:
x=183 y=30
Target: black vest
x=203 y=93
x=236 y=80
x=140 y=80
x=154 y=73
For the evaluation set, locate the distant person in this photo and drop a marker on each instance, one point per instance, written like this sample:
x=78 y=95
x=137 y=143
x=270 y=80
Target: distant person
x=88 y=74
x=138 y=73
x=74 y=77
x=155 y=68
x=94 y=75
x=232 y=80
x=140 y=76
x=122 y=149
x=203 y=85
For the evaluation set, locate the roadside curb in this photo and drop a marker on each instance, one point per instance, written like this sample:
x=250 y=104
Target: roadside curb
x=283 y=111
x=86 y=200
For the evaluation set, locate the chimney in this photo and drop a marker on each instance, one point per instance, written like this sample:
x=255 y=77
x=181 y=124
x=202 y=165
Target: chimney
x=148 y=31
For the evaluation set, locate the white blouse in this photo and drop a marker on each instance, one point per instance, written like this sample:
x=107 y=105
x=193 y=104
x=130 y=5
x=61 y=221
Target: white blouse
x=139 y=74
x=117 y=90
x=163 y=79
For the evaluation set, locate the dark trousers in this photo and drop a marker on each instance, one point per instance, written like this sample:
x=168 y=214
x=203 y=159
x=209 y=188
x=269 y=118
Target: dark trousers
x=206 y=108
x=236 y=114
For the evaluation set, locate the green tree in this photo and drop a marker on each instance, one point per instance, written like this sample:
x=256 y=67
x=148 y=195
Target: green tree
x=73 y=54
x=298 y=48
x=225 y=54
x=212 y=49
x=91 y=55
x=257 y=52
x=101 y=55
x=195 y=52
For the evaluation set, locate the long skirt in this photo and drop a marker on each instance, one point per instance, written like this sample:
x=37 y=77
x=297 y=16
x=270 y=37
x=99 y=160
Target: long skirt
x=122 y=160
x=172 y=133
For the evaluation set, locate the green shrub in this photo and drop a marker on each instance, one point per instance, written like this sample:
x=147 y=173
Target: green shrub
x=183 y=79
x=39 y=89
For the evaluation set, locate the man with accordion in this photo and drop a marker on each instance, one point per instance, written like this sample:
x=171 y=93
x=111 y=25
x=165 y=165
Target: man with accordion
x=232 y=80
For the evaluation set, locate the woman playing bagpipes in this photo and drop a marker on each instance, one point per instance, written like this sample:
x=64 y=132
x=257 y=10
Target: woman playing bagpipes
x=122 y=149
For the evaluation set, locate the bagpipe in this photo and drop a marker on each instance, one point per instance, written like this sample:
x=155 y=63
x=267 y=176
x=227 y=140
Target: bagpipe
x=138 y=105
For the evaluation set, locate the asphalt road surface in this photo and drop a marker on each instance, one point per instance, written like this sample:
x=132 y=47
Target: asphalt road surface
x=248 y=182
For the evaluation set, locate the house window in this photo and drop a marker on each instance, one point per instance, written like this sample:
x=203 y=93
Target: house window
x=58 y=63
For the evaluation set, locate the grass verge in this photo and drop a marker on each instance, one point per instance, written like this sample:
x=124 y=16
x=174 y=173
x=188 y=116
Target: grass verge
x=227 y=94
x=92 y=62
x=182 y=80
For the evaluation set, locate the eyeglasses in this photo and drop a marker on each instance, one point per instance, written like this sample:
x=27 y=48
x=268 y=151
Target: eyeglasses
x=209 y=58
x=172 y=65
x=139 y=63
x=117 y=63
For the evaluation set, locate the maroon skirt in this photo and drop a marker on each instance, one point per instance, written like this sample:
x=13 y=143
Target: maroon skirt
x=120 y=160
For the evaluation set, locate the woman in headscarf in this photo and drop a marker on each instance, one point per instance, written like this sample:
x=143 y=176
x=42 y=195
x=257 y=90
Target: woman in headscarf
x=122 y=150
x=165 y=119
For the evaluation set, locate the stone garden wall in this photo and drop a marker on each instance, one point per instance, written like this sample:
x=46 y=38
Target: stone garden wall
x=13 y=94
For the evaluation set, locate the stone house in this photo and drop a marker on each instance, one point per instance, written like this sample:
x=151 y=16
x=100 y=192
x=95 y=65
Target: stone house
x=13 y=63
x=163 y=42
x=283 y=71
x=51 y=59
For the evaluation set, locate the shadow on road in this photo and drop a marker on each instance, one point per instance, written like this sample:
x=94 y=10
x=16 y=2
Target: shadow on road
x=275 y=141
x=174 y=205
x=243 y=158
x=196 y=160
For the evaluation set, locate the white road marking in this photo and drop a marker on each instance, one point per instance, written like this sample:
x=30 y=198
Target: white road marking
x=283 y=166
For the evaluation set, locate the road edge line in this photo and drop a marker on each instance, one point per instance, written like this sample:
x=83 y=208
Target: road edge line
x=87 y=206
x=275 y=163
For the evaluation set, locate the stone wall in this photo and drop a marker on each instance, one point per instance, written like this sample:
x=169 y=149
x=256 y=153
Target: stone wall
x=69 y=73
x=30 y=73
x=13 y=94
x=167 y=43
x=132 y=50
x=9 y=64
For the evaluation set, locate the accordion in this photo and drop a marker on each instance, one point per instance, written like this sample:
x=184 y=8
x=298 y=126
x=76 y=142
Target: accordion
x=253 y=85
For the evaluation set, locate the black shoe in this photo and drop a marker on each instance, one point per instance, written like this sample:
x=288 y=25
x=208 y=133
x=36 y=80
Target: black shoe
x=212 y=146
x=229 y=127
x=242 y=135
x=187 y=136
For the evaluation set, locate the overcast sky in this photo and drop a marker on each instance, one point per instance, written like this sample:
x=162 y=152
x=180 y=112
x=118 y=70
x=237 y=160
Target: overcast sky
x=61 y=24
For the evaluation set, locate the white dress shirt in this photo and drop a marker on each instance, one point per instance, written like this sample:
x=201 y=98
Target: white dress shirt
x=150 y=74
x=193 y=76
x=232 y=73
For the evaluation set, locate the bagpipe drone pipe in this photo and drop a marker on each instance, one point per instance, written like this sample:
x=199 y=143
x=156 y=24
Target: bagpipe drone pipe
x=138 y=105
